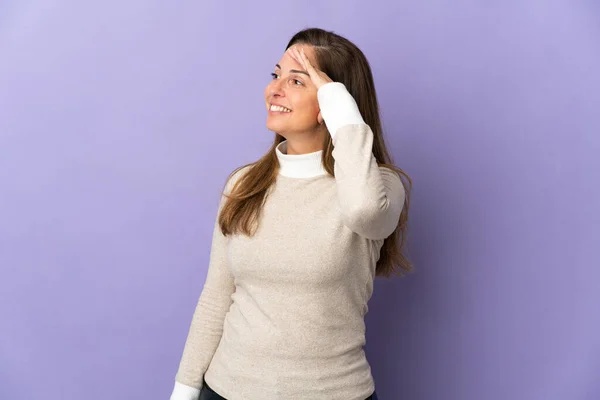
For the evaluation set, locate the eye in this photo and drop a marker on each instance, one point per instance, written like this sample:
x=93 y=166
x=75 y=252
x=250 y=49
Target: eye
x=297 y=82
x=274 y=75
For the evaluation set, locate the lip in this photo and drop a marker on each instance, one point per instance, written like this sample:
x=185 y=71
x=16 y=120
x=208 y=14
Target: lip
x=278 y=112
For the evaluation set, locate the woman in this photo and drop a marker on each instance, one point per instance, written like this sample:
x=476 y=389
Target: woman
x=299 y=238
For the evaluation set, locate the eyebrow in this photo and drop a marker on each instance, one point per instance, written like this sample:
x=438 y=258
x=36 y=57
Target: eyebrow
x=294 y=71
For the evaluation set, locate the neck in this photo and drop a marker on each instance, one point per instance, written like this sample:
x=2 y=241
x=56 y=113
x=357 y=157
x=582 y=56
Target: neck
x=305 y=142
x=305 y=165
x=299 y=148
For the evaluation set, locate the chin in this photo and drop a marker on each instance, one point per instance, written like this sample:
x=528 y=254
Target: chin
x=275 y=127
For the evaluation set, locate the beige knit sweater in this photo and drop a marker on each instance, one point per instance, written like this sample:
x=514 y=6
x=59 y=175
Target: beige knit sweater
x=281 y=314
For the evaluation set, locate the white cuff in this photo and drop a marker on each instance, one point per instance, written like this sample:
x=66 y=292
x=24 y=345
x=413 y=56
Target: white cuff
x=338 y=107
x=184 y=392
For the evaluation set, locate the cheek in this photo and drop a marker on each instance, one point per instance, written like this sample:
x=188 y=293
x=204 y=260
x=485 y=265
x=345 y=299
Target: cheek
x=309 y=107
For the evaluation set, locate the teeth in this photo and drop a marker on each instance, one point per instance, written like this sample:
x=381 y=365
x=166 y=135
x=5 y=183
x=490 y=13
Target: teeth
x=280 y=109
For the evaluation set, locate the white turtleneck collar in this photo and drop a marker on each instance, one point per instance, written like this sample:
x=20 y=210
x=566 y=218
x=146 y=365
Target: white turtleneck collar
x=299 y=165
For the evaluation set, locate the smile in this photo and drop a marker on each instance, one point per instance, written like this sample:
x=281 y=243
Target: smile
x=279 y=109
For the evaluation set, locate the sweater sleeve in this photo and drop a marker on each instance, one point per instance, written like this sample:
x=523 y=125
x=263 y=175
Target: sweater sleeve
x=370 y=197
x=207 y=321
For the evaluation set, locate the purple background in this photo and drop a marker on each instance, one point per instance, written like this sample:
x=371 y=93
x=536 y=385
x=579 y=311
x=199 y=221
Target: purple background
x=119 y=122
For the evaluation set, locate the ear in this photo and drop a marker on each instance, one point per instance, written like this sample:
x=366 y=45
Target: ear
x=320 y=118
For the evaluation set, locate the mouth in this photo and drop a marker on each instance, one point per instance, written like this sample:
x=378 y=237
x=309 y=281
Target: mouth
x=279 y=109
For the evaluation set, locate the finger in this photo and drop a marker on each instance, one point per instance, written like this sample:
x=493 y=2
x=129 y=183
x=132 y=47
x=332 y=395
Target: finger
x=305 y=62
x=293 y=54
x=300 y=58
x=308 y=65
x=312 y=72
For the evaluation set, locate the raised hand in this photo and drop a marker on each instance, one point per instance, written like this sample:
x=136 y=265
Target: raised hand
x=319 y=78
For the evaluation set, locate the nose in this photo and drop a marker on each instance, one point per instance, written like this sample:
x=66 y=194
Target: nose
x=276 y=88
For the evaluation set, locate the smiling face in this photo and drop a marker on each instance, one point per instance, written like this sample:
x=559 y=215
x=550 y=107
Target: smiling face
x=291 y=98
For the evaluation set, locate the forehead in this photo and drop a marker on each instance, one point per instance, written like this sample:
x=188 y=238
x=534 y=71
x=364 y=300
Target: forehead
x=287 y=61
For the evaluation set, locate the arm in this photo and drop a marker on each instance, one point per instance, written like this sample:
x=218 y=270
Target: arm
x=207 y=322
x=370 y=197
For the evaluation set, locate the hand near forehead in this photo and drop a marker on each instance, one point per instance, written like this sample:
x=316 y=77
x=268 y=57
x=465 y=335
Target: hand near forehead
x=318 y=78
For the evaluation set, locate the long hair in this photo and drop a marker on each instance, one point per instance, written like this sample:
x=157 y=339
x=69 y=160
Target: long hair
x=343 y=62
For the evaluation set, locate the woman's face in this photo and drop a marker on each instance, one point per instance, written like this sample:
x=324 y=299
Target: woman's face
x=292 y=89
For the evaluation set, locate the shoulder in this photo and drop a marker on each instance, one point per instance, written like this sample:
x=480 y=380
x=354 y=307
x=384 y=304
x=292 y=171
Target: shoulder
x=235 y=176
